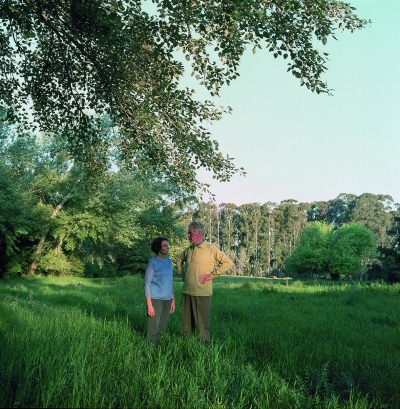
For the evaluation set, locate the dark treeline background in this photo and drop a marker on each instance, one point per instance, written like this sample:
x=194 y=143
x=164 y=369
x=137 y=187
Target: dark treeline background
x=57 y=217
x=261 y=237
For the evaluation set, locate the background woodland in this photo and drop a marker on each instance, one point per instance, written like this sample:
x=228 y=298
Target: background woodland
x=59 y=218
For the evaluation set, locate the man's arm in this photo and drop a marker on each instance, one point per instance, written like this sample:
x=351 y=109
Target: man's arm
x=224 y=263
x=179 y=261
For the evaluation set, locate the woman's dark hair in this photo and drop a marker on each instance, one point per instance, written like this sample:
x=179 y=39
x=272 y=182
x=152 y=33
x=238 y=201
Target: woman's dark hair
x=156 y=245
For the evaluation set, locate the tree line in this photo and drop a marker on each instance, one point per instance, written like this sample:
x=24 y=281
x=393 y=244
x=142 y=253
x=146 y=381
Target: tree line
x=58 y=217
x=261 y=238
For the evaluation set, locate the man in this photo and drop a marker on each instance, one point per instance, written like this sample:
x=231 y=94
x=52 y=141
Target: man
x=203 y=262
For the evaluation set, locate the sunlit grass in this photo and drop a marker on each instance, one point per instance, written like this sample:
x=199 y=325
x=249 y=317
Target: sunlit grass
x=69 y=342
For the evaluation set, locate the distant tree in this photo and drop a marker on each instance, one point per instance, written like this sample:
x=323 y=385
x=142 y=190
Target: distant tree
x=267 y=236
x=347 y=250
x=373 y=211
x=208 y=214
x=393 y=252
x=16 y=223
x=351 y=248
x=34 y=170
x=241 y=263
x=250 y=222
x=290 y=218
x=229 y=227
x=310 y=253
x=338 y=209
x=318 y=211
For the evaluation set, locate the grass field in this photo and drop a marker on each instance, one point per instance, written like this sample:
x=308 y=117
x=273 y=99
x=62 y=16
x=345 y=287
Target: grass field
x=69 y=342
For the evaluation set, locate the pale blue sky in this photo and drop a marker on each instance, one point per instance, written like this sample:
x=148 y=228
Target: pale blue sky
x=295 y=144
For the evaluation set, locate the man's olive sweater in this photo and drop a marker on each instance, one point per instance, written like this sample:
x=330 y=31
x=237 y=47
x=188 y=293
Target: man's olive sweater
x=203 y=258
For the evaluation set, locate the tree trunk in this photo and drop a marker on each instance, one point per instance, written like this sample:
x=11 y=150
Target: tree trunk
x=47 y=230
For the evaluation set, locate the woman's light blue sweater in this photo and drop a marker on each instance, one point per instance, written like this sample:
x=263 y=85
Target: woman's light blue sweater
x=158 y=279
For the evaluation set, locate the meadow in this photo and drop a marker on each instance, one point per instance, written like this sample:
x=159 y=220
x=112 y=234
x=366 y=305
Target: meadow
x=80 y=343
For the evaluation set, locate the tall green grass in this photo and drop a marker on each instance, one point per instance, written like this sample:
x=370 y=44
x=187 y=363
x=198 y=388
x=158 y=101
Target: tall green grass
x=68 y=342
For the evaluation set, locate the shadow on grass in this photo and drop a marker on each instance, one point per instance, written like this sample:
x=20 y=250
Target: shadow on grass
x=93 y=296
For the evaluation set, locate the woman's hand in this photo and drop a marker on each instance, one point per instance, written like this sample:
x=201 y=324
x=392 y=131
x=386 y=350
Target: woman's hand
x=150 y=308
x=172 y=309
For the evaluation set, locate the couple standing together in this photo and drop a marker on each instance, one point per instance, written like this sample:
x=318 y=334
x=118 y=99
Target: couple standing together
x=203 y=262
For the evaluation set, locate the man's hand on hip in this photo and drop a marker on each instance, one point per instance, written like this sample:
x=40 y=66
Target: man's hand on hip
x=203 y=278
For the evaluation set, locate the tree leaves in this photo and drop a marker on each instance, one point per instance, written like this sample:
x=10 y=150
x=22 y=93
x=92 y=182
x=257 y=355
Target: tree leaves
x=321 y=249
x=62 y=59
x=62 y=216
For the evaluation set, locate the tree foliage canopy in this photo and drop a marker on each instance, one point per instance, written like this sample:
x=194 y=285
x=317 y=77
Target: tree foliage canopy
x=321 y=249
x=310 y=253
x=57 y=219
x=350 y=249
x=65 y=62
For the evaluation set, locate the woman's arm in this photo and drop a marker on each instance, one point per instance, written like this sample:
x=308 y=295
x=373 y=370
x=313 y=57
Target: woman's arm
x=148 y=277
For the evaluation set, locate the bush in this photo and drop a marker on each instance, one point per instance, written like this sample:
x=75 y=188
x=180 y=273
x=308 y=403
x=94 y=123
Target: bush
x=340 y=251
x=94 y=270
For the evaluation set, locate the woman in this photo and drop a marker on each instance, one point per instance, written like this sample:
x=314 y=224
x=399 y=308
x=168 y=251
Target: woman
x=159 y=289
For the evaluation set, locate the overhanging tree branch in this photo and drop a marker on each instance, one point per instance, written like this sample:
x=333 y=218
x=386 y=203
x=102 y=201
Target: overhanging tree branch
x=112 y=57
